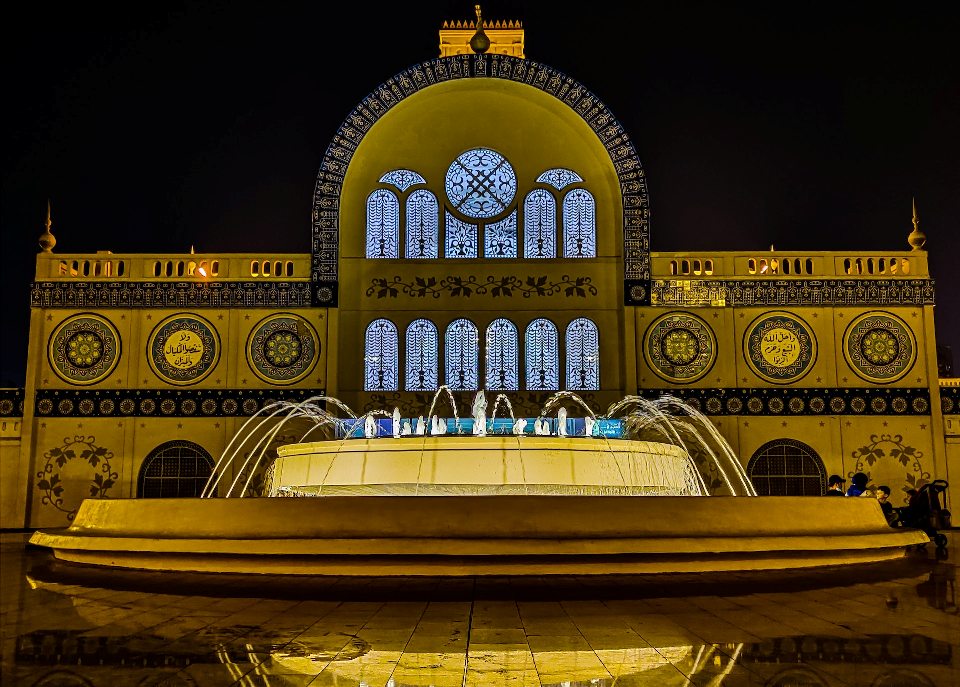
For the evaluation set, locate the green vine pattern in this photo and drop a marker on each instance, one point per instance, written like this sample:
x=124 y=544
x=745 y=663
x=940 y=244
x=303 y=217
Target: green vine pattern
x=51 y=484
x=421 y=287
x=892 y=446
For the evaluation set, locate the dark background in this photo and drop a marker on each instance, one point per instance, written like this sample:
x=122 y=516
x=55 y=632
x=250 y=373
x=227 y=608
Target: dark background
x=156 y=127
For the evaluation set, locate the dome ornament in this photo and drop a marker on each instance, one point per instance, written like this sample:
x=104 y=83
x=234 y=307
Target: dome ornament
x=479 y=43
x=917 y=239
x=47 y=239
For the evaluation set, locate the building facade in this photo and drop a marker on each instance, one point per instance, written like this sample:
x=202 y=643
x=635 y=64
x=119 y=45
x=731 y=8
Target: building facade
x=504 y=248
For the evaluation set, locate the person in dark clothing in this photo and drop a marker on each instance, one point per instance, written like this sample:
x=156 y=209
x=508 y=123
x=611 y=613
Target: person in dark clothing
x=858 y=484
x=883 y=496
x=835 y=485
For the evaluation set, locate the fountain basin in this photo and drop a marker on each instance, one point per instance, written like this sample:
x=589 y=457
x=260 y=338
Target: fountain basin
x=478 y=535
x=483 y=465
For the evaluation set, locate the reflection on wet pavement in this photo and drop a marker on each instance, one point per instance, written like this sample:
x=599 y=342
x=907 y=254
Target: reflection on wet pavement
x=894 y=625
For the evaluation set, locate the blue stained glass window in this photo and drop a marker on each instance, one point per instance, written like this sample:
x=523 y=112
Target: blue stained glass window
x=402 y=179
x=503 y=356
x=461 y=353
x=583 y=355
x=380 y=356
x=539 y=225
x=461 y=238
x=543 y=356
x=500 y=238
x=422 y=351
x=383 y=225
x=579 y=225
x=558 y=178
x=423 y=220
x=481 y=183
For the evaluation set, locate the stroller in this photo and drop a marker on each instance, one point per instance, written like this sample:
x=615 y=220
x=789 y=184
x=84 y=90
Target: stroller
x=925 y=512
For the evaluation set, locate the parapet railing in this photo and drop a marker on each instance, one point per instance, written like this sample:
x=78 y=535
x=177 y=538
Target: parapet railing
x=782 y=264
x=108 y=266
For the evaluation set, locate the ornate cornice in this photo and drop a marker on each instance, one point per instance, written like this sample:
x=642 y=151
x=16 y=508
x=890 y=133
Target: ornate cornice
x=147 y=294
x=768 y=292
x=11 y=402
x=172 y=403
x=633 y=185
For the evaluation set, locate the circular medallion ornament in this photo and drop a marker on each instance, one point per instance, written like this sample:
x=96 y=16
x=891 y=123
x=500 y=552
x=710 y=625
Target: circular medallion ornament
x=84 y=349
x=283 y=349
x=879 y=347
x=183 y=349
x=481 y=183
x=780 y=347
x=680 y=347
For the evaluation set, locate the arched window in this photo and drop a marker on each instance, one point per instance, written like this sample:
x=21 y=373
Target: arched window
x=583 y=355
x=579 y=225
x=422 y=349
x=786 y=467
x=461 y=353
x=503 y=356
x=423 y=220
x=402 y=179
x=543 y=356
x=559 y=178
x=383 y=225
x=461 y=238
x=380 y=356
x=539 y=225
x=174 y=469
x=500 y=238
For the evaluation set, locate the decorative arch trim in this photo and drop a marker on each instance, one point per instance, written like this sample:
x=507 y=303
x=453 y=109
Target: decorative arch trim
x=762 y=453
x=171 y=449
x=633 y=185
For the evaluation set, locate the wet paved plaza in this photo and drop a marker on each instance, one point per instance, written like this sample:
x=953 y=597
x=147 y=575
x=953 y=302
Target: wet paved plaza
x=890 y=625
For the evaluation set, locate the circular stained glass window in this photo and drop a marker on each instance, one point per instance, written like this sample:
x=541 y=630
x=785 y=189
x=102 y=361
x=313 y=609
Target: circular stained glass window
x=481 y=183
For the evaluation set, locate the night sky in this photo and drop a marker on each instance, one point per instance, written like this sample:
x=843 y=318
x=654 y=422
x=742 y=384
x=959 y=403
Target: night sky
x=160 y=126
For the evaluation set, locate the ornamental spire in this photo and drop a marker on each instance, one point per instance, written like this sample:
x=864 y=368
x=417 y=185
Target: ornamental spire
x=917 y=239
x=47 y=239
x=479 y=43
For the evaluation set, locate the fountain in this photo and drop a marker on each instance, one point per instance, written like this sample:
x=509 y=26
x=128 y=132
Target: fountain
x=381 y=494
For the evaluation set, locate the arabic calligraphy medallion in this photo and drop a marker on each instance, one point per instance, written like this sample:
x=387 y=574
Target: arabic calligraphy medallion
x=282 y=349
x=84 y=349
x=879 y=347
x=680 y=347
x=780 y=347
x=183 y=349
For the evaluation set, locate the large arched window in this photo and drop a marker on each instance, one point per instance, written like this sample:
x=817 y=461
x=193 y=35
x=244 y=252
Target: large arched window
x=422 y=225
x=461 y=238
x=383 y=225
x=500 y=238
x=380 y=355
x=174 y=469
x=461 y=353
x=539 y=225
x=422 y=350
x=579 y=225
x=583 y=355
x=503 y=356
x=786 y=467
x=543 y=356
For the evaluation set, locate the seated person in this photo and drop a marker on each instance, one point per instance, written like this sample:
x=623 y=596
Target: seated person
x=835 y=485
x=858 y=484
x=883 y=496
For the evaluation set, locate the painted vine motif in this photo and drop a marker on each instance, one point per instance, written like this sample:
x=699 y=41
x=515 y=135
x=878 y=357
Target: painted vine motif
x=51 y=484
x=497 y=287
x=891 y=446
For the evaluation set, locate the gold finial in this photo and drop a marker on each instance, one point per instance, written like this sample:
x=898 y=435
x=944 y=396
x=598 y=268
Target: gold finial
x=917 y=239
x=771 y=248
x=479 y=43
x=47 y=239
x=192 y=251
